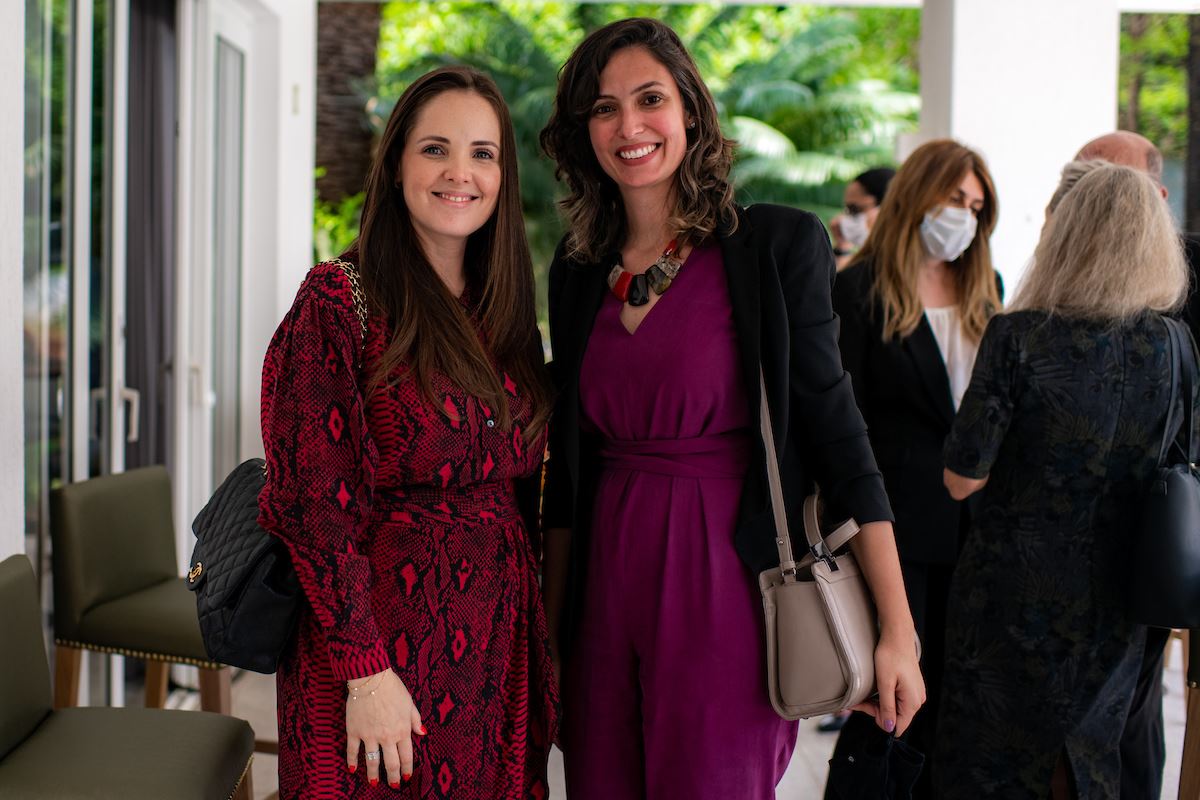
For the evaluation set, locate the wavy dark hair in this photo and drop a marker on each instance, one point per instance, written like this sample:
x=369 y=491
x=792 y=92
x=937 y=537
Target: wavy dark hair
x=593 y=208
x=431 y=331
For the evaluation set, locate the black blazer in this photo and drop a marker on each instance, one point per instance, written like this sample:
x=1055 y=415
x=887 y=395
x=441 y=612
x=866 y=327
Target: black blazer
x=780 y=271
x=904 y=393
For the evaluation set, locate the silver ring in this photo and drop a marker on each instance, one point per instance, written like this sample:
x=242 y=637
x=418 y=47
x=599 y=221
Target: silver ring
x=373 y=755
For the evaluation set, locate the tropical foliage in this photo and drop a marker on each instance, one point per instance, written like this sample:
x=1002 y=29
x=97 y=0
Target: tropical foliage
x=1153 y=79
x=813 y=95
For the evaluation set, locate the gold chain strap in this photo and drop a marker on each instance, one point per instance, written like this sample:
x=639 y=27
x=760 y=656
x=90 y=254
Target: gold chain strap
x=356 y=293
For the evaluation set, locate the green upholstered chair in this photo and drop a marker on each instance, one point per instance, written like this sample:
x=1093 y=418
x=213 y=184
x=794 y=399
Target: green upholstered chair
x=135 y=753
x=117 y=588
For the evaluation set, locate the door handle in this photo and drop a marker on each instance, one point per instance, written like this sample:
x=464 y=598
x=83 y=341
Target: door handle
x=95 y=404
x=195 y=384
x=132 y=398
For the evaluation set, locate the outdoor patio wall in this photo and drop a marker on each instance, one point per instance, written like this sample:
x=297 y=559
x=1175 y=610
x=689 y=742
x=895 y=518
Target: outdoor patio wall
x=286 y=192
x=12 y=98
x=1027 y=83
x=277 y=228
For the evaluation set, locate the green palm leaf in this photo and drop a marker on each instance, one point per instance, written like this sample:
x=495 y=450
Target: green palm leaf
x=765 y=99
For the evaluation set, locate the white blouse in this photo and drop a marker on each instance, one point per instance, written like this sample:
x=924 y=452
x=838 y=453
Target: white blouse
x=958 y=352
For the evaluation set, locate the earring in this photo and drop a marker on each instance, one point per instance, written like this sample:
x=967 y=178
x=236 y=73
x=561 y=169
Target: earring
x=692 y=125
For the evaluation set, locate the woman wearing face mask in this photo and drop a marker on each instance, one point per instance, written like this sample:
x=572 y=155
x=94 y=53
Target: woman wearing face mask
x=913 y=304
x=862 y=199
x=665 y=300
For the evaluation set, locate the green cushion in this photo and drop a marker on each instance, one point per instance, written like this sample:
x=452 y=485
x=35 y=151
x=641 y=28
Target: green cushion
x=129 y=753
x=24 y=674
x=112 y=535
x=161 y=619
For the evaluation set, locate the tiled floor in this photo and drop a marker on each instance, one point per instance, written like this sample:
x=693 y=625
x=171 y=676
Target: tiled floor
x=254 y=699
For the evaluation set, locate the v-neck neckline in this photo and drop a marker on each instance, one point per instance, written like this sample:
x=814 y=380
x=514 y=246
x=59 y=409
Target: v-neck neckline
x=650 y=312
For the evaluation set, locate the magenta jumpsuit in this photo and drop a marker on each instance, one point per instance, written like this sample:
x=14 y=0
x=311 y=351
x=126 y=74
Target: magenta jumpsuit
x=666 y=691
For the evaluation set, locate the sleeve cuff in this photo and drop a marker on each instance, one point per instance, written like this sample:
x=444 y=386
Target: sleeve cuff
x=968 y=463
x=865 y=499
x=350 y=663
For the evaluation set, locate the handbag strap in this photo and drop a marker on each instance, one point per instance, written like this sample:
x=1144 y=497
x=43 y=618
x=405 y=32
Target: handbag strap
x=357 y=295
x=359 y=298
x=818 y=547
x=1183 y=378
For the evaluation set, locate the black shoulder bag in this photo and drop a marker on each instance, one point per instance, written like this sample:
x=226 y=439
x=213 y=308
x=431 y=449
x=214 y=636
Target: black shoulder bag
x=248 y=597
x=1165 y=587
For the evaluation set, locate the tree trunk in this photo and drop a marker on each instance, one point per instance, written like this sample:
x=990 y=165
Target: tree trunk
x=347 y=40
x=1136 y=25
x=1191 y=191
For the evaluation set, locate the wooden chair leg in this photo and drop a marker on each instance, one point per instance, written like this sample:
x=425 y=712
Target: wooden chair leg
x=156 y=683
x=245 y=790
x=1189 y=777
x=215 y=690
x=68 y=662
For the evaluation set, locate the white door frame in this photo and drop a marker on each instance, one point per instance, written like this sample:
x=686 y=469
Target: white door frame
x=200 y=23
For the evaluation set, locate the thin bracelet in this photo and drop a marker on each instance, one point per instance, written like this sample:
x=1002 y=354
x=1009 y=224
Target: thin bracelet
x=354 y=690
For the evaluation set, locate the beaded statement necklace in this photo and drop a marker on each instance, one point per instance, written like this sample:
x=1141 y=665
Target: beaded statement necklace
x=635 y=289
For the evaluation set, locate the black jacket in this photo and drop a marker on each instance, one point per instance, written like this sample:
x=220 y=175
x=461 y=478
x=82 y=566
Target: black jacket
x=780 y=271
x=904 y=393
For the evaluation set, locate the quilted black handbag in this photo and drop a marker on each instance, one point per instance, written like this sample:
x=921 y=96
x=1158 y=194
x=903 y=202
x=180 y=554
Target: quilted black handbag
x=1165 y=580
x=247 y=594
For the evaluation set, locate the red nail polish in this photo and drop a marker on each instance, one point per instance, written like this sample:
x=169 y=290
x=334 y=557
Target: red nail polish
x=394 y=784
x=373 y=781
x=421 y=730
x=351 y=767
x=408 y=777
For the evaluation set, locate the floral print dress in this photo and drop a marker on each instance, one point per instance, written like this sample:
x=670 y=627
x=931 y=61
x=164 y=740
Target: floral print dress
x=1066 y=418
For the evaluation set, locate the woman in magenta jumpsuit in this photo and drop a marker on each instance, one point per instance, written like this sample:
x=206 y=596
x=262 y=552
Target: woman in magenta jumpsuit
x=665 y=299
x=397 y=450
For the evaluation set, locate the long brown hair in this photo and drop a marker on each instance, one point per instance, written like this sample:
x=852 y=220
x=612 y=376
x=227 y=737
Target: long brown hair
x=593 y=207
x=431 y=330
x=927 y=178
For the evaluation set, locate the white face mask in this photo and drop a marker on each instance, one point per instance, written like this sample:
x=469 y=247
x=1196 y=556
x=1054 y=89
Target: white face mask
x=947 y=232
x=854 y=228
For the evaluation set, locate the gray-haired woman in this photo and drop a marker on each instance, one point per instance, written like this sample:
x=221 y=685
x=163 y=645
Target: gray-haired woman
x=1060 y=429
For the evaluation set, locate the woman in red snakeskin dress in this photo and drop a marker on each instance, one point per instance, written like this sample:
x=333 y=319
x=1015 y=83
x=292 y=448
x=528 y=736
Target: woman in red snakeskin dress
x=400 y=451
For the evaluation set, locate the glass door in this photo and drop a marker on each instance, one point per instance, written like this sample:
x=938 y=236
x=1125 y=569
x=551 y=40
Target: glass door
x=76 y=405
x=46 y=276
x=226 y=287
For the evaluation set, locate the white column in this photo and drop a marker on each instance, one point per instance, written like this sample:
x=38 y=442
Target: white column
x=296 y=111
x=283 y=91
x=12 y=183
x=1026 y=83
x=279 y=159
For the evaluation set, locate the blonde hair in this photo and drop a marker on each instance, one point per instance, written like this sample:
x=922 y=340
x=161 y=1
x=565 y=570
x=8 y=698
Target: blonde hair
x=1110 y=251
x=930 y=175
x=1071 y=173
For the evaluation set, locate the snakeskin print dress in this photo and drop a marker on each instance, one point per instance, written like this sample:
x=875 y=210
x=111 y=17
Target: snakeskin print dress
x=402 y=522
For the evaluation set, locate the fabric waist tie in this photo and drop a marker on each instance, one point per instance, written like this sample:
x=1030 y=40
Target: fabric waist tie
x=725 y=455
x=478 y=503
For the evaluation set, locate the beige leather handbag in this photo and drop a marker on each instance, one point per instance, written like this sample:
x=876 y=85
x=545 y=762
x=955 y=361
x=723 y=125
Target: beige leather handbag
x=821 y=622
